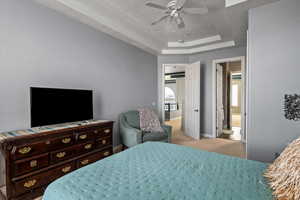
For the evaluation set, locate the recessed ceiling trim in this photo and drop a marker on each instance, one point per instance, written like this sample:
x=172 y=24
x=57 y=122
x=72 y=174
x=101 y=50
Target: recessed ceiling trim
x=119 y=19
x=195 y=42
x=229 y=3
x=199 y=49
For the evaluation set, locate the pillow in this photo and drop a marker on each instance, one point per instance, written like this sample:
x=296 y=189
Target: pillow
x=149 y=121
x=284 y=174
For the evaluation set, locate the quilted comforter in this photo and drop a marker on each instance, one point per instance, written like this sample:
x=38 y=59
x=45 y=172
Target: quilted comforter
x=161 y=171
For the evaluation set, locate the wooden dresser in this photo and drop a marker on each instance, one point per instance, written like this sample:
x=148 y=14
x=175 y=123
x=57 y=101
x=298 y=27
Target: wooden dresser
x=36 y=157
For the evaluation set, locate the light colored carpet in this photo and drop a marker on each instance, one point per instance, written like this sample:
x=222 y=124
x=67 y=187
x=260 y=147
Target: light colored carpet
x=218 y=145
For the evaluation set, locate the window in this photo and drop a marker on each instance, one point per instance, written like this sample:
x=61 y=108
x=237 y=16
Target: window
x=170 y=99
x=169 y=94
x=235 y=95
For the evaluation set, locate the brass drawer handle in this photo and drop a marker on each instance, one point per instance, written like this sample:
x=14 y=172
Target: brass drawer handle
x=96 y=131
x=106 y=153
x=33 y=163
x=82 y=137
x=104 y=142
x=85 y=162
x=30 y=183
x=66 y=140
x=66 y=169
x=107 y=131
x=88 y=146
x=24 y=150
x=61 y=154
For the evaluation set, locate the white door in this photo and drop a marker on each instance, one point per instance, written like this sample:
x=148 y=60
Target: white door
x=192 y=101
x=220 y=105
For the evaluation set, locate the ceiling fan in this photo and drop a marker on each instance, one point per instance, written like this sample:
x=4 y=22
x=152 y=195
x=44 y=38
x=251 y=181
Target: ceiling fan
x=174 y=11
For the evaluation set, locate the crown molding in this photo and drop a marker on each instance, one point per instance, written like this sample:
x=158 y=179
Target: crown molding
x=199 y=49
x=194 y=42
x=229 y=3
x=105 y=16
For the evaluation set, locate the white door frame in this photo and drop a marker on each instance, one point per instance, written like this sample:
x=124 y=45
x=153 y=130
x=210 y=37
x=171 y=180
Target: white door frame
x=218 y=92
x=244 y=94
x=161 y=86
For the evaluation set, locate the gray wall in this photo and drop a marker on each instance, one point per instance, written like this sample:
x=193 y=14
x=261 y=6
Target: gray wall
x=274 y=46
x=40 y=47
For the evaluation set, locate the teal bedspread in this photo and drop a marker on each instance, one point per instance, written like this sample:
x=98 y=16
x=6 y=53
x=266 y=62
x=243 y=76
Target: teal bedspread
x=161 y=171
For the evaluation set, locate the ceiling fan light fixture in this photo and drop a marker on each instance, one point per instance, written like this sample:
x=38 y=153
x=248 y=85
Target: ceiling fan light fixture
x=174 y=13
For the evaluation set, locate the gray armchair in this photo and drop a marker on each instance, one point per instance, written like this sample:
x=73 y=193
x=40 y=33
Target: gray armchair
x=131 y=134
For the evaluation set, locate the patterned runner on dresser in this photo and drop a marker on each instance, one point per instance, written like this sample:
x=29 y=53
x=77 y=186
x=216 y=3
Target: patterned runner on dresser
x=42 y=129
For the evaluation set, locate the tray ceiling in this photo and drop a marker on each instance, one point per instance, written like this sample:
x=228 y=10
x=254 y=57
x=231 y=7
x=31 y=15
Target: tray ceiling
x=129 y=20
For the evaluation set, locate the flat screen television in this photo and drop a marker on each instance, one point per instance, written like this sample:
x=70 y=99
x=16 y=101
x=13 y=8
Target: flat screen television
x=54 y=106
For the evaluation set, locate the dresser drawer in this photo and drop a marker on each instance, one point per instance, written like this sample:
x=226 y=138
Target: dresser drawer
x=33 y=148
x=41 y=179
x=86 y=147
x=30 y=149
x=103 y=132
x=93 y=158
x=85 y=135
x=102 y=142
x=30 y=164
x=61 y=142
x=63 y=154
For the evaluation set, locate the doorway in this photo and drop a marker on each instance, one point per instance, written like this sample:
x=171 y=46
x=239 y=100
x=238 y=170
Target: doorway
x=181 y=98
x=174 y=96
x=230 y=101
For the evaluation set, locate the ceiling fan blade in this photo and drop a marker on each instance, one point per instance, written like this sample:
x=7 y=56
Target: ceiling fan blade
x=200 y=11
x=155 y=5
x=180 y=3
x=159 y=20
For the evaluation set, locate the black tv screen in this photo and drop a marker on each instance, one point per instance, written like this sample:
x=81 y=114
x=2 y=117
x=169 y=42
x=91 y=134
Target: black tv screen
x=54 y=106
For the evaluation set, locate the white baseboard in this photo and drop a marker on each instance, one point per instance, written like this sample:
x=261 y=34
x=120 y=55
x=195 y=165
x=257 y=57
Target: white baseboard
x=176 y=118
x=207 y=135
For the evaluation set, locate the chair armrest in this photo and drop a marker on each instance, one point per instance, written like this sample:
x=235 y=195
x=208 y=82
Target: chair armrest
x=168 y=130
x=130 y=136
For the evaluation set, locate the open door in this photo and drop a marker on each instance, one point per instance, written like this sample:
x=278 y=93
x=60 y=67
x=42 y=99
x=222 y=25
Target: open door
x=220 y=105
x=192 y=101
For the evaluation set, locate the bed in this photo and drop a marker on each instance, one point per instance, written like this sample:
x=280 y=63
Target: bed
x=164 y=171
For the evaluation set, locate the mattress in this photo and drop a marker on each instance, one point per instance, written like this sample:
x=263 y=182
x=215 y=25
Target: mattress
x=161 y=171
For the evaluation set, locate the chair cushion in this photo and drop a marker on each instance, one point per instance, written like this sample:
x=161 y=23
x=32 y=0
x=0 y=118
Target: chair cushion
x=133 y=118
x=154 y=136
